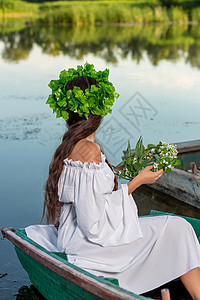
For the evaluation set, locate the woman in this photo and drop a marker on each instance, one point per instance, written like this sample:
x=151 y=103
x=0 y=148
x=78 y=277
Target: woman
x=96 y=218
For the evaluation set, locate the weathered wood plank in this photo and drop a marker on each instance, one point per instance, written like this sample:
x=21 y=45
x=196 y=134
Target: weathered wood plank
x=180 y=185
x=188 y=147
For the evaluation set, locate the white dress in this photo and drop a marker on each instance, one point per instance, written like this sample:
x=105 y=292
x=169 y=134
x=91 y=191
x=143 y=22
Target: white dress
x=100 y=232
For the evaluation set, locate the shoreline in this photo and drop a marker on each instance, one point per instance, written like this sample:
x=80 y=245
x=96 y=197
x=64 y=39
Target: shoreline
x=81 y=13
x=29 y=23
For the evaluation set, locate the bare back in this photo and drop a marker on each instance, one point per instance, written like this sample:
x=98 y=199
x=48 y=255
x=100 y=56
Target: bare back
x=86 y=151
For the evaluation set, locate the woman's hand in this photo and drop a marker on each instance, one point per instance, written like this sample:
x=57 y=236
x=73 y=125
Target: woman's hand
x=146 y=176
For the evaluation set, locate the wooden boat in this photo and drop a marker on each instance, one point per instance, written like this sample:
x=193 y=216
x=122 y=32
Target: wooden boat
x=55 y=278
x=181 y=183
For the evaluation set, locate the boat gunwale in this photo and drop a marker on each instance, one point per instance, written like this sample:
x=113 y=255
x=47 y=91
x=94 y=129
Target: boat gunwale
x=97 y=287
x=188 y=147
x=182 y=147
x=184 y=173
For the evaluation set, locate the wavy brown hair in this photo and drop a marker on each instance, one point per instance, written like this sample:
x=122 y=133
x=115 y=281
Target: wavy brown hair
x=78 y=128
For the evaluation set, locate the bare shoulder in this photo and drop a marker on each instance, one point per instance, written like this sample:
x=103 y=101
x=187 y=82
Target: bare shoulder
x=86 y=151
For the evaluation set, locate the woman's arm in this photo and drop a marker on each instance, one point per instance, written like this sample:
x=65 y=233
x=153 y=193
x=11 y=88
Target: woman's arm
x=146 y=176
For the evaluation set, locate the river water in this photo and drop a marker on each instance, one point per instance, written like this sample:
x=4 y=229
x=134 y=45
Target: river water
x=156 y=71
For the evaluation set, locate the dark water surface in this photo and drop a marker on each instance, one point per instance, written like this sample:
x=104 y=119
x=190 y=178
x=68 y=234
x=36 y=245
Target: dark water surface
x=156 y=70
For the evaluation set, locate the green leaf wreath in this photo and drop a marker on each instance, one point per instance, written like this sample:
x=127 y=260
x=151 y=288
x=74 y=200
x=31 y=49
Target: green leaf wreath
x=97 y=100
x=160 y=156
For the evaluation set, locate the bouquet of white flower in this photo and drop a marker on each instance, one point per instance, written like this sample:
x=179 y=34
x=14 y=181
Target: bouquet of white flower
x=160 y=156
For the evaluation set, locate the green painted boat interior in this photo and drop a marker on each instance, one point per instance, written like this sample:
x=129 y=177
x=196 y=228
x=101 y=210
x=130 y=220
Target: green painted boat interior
x=61 y=256
x=53 y=286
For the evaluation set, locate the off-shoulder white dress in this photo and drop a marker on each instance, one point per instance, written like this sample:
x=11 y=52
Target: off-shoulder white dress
x=100 y=231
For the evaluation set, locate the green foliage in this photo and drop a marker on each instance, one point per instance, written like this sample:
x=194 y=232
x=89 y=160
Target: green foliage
x=97 y=100
x=186 y=4
x=178 y=15
x=91 y=12
x=195 y=15
x=81 y=13
x=160 y=156
x=10 y=10
x=168 y=3
x=6 y=4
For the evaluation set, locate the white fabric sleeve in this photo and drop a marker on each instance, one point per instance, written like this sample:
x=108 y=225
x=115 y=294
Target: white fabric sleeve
x=105 y=218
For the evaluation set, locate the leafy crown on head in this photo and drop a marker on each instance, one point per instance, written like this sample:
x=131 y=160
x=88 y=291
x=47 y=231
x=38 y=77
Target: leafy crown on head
x=97 y=100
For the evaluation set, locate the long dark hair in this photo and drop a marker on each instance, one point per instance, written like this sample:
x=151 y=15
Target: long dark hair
x=78 y=128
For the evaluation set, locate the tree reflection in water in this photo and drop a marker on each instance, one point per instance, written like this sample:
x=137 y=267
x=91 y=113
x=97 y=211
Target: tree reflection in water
x=170 y=42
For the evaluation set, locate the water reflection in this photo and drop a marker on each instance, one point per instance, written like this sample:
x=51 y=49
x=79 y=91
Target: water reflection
x=29 y=293
x=170 y=42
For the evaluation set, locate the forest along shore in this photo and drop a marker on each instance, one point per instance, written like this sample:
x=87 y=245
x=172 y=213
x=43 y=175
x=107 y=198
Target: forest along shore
x=100 y=12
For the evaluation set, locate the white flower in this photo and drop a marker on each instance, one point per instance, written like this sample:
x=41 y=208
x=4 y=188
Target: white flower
x=75 y=110
x=127 y=172
x=153 y=150
x=155 y=166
